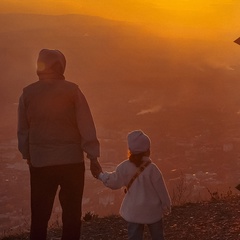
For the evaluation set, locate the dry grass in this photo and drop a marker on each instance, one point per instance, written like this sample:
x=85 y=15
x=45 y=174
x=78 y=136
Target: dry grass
x=218 y=220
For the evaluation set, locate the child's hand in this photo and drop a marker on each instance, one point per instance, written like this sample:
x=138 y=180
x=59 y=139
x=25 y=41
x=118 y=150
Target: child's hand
x=104 y=177
x=100 y=176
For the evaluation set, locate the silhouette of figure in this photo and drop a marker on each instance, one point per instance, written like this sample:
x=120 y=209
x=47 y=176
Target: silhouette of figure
x=146 y=198
x=55 y=128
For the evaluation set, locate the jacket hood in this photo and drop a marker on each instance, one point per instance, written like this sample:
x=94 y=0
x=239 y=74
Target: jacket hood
x=51 y=64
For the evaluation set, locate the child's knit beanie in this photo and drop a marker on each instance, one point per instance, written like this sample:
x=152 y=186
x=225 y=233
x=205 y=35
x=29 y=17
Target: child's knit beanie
x=138 y=142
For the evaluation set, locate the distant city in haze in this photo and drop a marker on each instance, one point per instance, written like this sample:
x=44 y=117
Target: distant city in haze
x=184 y=93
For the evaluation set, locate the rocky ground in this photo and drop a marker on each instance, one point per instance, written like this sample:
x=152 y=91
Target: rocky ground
x=218 y=220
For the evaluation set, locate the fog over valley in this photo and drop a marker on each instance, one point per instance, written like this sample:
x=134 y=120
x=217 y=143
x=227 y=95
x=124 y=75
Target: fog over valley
x=183 y=92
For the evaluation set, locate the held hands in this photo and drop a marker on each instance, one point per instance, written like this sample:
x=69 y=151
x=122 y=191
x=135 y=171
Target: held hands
x=95 y=167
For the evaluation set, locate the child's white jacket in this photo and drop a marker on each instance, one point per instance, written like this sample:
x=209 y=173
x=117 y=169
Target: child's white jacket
x=147 y=197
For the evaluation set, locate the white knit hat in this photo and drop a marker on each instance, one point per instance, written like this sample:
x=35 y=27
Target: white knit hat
x=138 y=142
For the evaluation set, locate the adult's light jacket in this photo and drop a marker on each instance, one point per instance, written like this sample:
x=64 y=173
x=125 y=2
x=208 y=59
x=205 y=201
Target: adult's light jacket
x=55 y=124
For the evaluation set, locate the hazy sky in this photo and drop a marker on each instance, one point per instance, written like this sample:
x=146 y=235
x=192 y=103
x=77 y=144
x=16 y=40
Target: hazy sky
x=184 y=18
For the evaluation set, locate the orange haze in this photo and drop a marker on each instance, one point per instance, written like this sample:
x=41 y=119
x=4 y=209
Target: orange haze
x=185 y=18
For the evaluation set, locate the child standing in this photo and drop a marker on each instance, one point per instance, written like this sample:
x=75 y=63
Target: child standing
x=147 y=198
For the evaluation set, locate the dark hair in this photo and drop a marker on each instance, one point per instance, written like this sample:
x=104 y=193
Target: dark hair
x=136 y=159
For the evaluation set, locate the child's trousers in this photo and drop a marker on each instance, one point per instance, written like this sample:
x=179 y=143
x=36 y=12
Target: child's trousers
x=135 y=231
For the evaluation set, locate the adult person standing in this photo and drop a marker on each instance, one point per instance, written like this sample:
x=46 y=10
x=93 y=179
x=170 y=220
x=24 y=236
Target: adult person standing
x=55 y=128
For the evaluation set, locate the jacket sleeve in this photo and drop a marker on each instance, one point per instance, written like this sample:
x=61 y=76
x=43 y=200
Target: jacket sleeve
x=86 y=127
x=23 y=130
x=161 y=189
x=114 y=180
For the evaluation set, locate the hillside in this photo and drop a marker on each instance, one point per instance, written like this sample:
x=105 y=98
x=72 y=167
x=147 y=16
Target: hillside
x=217 y=220
x=139 y=79
x=127 y=72
x=184 y=93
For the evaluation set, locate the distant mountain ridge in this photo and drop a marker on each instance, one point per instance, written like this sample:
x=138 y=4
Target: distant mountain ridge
x=95 y=44
x=124 y=70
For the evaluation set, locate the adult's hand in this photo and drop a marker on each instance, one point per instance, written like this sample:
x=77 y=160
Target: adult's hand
x=166 y=210
x=95 y=167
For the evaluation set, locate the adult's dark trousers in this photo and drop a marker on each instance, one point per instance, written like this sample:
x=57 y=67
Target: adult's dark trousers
x=44 y=184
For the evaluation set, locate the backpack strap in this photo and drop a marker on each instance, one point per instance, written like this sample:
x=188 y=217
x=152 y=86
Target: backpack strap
x=138 y=172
